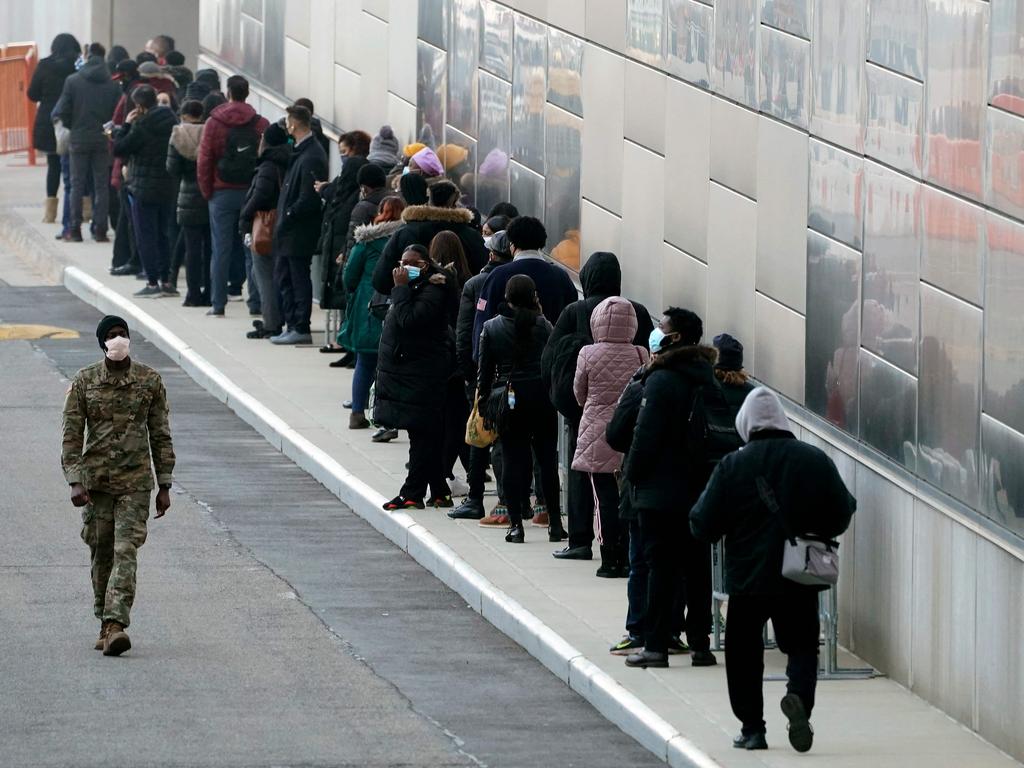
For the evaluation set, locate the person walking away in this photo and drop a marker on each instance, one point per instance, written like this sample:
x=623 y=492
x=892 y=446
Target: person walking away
x=228 y=156
x=115 y=428
x=45 y=89
x=263 y=195
x=514 y=399
x=416 y=360
x=296 y=228
x=601 y=277
x=809 y=498
x=143 y=143
x=361 y=331
x=193 y=211
x=86 y=103
x=602 y=372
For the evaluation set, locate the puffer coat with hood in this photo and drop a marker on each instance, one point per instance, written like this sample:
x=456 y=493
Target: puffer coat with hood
x=88 y=101
x=143 y=144
x=602 y=371
x=182 y=151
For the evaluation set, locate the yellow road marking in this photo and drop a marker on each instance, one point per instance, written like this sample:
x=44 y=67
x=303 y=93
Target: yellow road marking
x=33 y=332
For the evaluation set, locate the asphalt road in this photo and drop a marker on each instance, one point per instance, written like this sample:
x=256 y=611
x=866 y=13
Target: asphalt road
x=272 y=626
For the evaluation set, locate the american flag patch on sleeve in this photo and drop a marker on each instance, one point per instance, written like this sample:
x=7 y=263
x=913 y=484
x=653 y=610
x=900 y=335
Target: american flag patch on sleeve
x=481 y=305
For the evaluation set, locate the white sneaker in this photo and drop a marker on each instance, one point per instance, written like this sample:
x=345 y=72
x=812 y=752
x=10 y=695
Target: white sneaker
x=459 y=487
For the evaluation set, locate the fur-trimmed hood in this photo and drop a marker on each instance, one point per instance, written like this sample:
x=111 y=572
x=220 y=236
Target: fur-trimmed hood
x=367 y=232
x=185 y=138
x=434 y=213
x=684 y=357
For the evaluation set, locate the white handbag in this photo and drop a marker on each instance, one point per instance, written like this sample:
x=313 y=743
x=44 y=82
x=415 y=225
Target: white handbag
x=808 y=559
x=63 y=136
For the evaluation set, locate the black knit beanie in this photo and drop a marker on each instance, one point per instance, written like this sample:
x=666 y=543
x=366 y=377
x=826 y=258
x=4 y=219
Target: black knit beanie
x=108 y=322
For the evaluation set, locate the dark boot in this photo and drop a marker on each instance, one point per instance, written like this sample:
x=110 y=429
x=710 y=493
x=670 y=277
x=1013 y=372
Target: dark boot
x=609 y=563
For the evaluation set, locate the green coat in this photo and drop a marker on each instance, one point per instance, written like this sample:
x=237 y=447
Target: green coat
x=361 y=331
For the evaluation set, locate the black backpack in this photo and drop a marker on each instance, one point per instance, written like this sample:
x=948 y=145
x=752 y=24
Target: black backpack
x=562 y=357
x=241 y=153
x=712 y=429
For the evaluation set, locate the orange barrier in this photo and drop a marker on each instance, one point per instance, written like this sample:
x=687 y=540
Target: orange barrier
x=17 y=113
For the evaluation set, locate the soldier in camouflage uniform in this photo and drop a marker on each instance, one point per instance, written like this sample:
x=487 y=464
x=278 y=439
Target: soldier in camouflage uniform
x=115 y=424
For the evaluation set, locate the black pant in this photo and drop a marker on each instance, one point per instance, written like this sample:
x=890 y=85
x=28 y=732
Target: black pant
x=456 y=413
x=675 y=560
x=114 y=204
x=52 y=174
x=91 y=163
x=197 y=261
x=581 y=499
x=151 y=232
x=614 y=532
x=295 y=286
x=532 y=430
x=125 y=251
x=794 y=616
x=425 y=466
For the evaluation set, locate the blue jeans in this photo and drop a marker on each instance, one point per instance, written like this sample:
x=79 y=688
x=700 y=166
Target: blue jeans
x=255 y=300
x=225 y=207
x=365 y=373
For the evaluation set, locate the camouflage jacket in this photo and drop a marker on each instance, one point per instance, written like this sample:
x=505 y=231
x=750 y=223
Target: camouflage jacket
x=113 y=423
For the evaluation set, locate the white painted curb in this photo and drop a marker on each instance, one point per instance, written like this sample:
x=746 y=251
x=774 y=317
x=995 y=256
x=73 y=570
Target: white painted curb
x=607 y=696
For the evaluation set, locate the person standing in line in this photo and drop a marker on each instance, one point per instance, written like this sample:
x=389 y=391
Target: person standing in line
x=193 y=211
x=774 y=488
x=228 y=155
x=116 y=430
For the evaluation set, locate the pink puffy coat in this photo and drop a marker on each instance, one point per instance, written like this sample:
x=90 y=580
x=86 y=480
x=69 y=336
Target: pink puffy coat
x=602 y=372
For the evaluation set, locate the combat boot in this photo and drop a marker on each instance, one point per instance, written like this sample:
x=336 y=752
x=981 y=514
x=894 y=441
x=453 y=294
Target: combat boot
x=103 y=635
x=116 y=642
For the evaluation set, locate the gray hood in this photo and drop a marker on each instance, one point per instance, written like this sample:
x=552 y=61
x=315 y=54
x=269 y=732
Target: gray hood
x=761 y=411
x=185 y=138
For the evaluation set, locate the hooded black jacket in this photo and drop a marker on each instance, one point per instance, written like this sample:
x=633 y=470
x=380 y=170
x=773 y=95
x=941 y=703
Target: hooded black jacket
x=266 y=185
x=464 y=325
x=143 y=143
x=46 y=87
x=298 y=206
x=87 y=102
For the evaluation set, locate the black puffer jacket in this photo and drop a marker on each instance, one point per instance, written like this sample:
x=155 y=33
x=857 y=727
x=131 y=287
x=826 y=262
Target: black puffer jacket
x=143 y=143
x=416 y=354
x=340 y=198
x=464 y=325
x=45 y=88
x=182 y=150
x=498 y=360
x=87 y=102
x=266 y=185
x=363 y=214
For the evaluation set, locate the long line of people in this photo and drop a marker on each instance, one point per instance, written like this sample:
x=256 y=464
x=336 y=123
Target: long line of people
x=449 y=316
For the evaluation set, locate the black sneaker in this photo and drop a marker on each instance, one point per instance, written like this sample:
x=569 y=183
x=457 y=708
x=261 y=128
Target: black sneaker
x=626 y=646
x=676 y=647
x=753 y=741
x=515 y=534
x=470 y=509
x=402 y=503
x=169 y=290
x=384 y=435
x=801 y=735
x=149 y=292
x=703 y=659
x=644 y=659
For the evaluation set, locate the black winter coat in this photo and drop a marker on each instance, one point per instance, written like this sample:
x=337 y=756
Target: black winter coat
x=143 y=143
x=416 y=354
x=298 y=205
x=810 y=493
x=340 y=198
x=193 y=210
x=464 y=324
x=45 y=88
x=265 y=188
x=497 y=354
x=362 y=214
x=87 y=102
x=422 y=222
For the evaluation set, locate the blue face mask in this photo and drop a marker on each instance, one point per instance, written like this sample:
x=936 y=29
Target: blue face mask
x=656 y=340
x=405 y=170
x=414 y=272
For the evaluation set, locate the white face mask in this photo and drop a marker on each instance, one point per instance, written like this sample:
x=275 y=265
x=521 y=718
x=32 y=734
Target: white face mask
x=117 y=348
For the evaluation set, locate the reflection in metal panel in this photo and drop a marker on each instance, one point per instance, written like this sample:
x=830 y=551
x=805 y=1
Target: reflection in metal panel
x=273 y=44
x=645 y=31
x=565 y=71
x=734 y=73
x=496 y=39
x=529 y=91
x=955 y=94
x=458 y=155
x=888 y=411
x=252 y=45
x=495 y=145
x=949 y=394
x=894 y=118
x=688 y=41
x=1004 y=321
x=526 y=190
x=433 y=22
x=833 y=330
x=837 y=68
x=891 y=257
x=952 y=244
x=785 y=72
x=253 y=8
x=793 y=16
x=1002 y=482
x=835 y=193
x=431 y=87
x=463 y=59
x=1006 y=62
x=1004 y=173
x=563 y=135
x=732 y=257
x=896 y=35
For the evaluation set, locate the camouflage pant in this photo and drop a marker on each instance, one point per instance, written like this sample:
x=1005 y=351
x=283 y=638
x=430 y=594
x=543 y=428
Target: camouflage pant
x=114 y=527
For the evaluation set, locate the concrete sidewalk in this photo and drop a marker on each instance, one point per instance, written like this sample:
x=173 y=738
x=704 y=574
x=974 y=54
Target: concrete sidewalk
x=559 y=611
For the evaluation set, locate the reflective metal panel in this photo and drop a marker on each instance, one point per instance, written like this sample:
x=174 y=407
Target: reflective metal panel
x=604 y=72
x=687 y=168
x=529 y=91
x=734 y=147
x=565 y=71
x=732 y=258
x=837 y=67
x=888 y=411
x=252 y=45
x=952 y=244
x=645 y=31
x=1004 y=321
x=688 y=41
x=892 y=249
x=793 y=16
x=641 y=254
x=785 y=72
x=949 y=394
x=645 y=107
x=779 y=354
x=1004 y=173
x=734 y=73
x=495 y=145
x=896 y=36
x=563 y=144
x=833 y=330
x=894 y=119
x=835 y=193
x=955 y=94
x=463 y=57
x=1002 y=482
x=458 y=155
x=526 y=190
x=253 y=8
x=273 y=44
x=1006 y=62
x=431 y=87
x=496 y=39
x=433 y=22
x=684 y=281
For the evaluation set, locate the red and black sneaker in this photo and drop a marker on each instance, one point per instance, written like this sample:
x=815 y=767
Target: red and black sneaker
x=401 y=503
